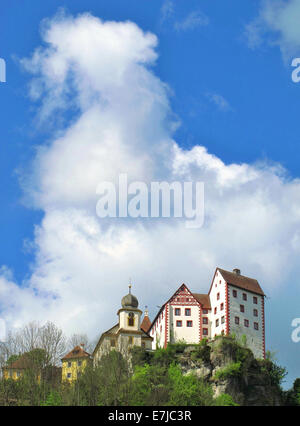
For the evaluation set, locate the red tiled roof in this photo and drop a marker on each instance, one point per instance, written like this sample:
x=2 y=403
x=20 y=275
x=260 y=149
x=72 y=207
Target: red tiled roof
x=21 y=363
x=77 y=352
x=241 y=281
x=146 y=324
x=203 y=299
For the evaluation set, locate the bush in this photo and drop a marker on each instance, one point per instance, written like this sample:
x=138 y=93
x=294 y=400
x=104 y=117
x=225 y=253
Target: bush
x=225 y=400
x=231 y=370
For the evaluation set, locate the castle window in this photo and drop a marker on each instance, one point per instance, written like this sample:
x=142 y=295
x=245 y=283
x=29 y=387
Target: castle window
x=222 y=320
x=205 y=311
x=255 y=300
x=242 y=308
x=189 y=323
x=217 y=323
x=244 y=296
x=143 y=344
x=178 y=323
x=187 y=312
x=255 y=312
x=256 y=326
x=234 y=293
x=237 y=320
x=205 y=331
x=246 y=323
x=218 y=296
x=113 y=342
x=205 y=320
x=215 y=310
x=177 y=311
x=131 y=319
x=222 y=306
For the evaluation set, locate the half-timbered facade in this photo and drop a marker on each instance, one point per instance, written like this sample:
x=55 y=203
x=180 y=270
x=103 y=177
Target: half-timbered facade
x=234 y=304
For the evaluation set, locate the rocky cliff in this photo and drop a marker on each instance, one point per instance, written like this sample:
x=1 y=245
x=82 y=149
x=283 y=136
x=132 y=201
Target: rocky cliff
x=232 y=369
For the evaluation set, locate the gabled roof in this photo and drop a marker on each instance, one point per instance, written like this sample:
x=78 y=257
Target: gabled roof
x=200 y=298
x=203 y=299
x=77 y=352
x=146 y=324
x=246 y=283
x=22 y=363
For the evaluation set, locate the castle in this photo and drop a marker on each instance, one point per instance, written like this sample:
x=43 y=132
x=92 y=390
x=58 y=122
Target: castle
x=234 y=304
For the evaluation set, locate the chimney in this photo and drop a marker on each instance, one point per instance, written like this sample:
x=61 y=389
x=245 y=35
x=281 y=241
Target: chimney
x=237 y=271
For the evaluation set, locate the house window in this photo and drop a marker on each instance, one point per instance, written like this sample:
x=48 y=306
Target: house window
x=205 y=332
x=217 y=323
x=130 y=340
x=256 y=326
x=69 y=375
x=187 y=312
x=18 y=374
x=205 y=311
x=113 y=342
x=131 y=319
x=205 y=320
x=178 y=323
x=222 y=320
x=242 y=308
x=215 y=310
x=255 y=300
x=255 y=312
x=222 y=306
x=234 y=293
x=218 y=296
x=237 y=320
x=177 y=311
x=244 y=296
x=246 y=323
x=79 y=363
x=143 y=344
x=189 y=323
x=69 y=364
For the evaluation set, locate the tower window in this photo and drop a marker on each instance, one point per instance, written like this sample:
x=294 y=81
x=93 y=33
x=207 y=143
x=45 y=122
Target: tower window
x=131 y=319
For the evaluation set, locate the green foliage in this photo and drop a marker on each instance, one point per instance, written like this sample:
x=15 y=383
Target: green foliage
x=188 y=390
x=275 y=372
x=225 y=400
x=54 y=399
x=201 y=352
x=230 y=370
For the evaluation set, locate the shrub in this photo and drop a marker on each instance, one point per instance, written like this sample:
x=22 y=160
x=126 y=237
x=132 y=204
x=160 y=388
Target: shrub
x=231 y=370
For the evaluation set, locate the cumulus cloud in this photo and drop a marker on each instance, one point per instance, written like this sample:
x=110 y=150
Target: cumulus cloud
x=278 y=22
x=122 y=123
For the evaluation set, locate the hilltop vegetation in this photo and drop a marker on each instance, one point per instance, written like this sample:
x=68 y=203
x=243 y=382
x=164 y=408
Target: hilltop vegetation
x=222 y=372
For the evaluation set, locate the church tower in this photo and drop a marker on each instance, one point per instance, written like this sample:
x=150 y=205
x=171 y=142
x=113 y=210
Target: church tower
x=129 y=314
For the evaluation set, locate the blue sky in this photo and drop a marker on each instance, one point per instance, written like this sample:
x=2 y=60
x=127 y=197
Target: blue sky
x=227 y=68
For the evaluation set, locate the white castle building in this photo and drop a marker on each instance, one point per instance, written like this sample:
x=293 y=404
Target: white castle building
x=234 y=304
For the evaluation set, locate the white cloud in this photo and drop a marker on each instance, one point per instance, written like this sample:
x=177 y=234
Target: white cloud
x=82 y=265
x=219 y=100
x=193 y=20
x=278 y=22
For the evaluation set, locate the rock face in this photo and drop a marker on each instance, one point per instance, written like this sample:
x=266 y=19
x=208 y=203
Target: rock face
x=232 y=369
